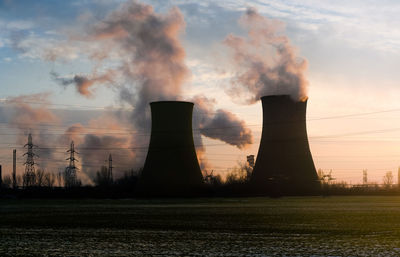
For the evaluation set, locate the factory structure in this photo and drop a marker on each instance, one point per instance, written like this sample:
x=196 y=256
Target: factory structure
x=284 y=162
x=283 y=165
x=171 y=166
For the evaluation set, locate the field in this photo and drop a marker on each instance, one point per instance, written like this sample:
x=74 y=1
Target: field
x=295 y=226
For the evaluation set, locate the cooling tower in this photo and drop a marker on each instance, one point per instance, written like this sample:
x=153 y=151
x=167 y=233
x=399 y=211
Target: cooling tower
x=284 y=164
x=171 y=166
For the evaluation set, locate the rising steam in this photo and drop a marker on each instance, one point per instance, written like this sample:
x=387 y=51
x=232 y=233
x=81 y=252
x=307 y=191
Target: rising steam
x=265 y=61
x=82 y=83
x=146 y=52
x=30 y=114
x=28 y=118
x=220 y=124
x=139 y=52
x=110 y=137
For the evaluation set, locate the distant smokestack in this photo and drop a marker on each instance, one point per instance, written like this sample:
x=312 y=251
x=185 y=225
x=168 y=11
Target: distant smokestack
x=14 y=174
x=284 y=162
x=171 y=166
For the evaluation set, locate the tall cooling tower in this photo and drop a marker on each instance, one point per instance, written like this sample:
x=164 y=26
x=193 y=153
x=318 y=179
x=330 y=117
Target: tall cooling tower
x=284 y=163
x=171 y=166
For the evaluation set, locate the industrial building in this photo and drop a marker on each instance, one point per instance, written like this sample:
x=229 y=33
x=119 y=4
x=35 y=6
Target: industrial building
x=284 y=163
x=171 y=166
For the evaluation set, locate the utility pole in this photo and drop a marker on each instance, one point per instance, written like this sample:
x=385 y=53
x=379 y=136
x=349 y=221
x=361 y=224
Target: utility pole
x=398 y=177
x=70 y=179
x=365 y=177
x=14 y=173
x=110 y=167
x=29 y=175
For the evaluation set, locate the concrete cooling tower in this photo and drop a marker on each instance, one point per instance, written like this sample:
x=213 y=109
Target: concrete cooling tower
x=284 y=164
x=171 y=166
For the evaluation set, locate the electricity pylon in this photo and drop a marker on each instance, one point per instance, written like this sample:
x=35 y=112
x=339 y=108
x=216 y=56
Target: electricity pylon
x=29 y=177
x=70 y=178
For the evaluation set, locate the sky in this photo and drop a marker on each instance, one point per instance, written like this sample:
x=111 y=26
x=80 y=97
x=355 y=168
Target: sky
x=352 y=50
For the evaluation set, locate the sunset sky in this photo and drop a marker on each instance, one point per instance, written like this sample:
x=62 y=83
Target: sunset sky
x=352 y=49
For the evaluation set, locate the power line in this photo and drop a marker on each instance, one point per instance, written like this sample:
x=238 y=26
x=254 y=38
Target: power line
x=310 y=119
x=13 y=102
x=354 y=115
x=227 y=127
x=278 y=140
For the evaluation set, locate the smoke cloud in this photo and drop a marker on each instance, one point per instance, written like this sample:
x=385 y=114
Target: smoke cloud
x=110 y=137
x=94 y=142
x=72 y=133
x=140 y=50
x=95 y=150
x=146 y=52
x=35 y=120
x=217 y=124
x=83 y=84
x=220 y=124
x=265 y=61
x=152 y=57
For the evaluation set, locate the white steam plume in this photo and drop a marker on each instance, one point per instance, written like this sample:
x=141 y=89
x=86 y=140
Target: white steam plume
x=265 y=61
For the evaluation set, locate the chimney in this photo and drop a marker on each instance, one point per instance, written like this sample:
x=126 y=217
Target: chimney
x=14 y=173
x=284 y=164
x=171 y=166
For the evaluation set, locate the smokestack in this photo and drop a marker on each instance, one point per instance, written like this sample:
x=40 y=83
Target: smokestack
x=284 y=163
x=110 y=168
x=171 y=166
x=14 y=174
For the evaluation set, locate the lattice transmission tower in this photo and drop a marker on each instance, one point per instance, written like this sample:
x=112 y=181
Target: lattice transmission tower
x=29 y=178
x=70 y=178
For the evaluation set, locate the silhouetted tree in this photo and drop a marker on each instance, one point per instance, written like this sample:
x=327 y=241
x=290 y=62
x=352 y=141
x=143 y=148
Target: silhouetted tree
x=7 y=181
x=39 y=176
x=129 y=179
x=20 y=180
x=239 y=174
x=388 y=179
x=59 y=179
x=49 y=180
x=213 y=180
x=29 y=179
x=103 y=177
